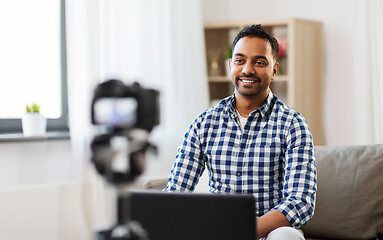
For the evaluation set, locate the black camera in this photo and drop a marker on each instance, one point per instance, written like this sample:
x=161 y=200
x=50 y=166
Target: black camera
x=126 y=114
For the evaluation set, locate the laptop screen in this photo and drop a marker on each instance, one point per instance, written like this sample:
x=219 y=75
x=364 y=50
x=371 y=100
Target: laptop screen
x=197 y=216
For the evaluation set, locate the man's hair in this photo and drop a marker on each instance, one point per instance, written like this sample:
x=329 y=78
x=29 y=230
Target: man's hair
x=259 y=32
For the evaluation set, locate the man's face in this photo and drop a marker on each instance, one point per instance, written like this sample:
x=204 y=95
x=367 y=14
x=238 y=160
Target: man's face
x=253 y=67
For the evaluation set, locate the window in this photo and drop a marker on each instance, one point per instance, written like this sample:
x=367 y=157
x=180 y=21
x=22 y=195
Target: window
x=33 y=62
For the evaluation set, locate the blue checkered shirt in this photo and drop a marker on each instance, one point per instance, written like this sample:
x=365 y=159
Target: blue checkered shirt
x=273 y=158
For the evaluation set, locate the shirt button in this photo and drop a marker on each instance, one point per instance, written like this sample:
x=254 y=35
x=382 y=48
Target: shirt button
x=238 y=174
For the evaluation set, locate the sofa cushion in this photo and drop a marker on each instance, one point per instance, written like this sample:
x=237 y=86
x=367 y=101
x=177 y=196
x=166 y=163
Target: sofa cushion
x=349 y=201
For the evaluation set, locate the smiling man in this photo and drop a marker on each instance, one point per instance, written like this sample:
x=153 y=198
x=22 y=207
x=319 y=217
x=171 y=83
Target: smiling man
x=252 y=143
x=252 y=67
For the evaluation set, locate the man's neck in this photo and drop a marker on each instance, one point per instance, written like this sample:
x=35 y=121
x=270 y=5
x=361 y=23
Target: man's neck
x=246 y=104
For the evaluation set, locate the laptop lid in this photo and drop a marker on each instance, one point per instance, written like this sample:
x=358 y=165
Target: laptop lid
x=197 y=216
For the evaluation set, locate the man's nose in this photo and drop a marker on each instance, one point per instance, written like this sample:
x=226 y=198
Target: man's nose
x=248 y=68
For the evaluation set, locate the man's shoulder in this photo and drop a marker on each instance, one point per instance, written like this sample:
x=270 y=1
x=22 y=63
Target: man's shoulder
x=293 y=122
x=212 y=115
x=287 y=112
x=220 y=108
x=285 y=109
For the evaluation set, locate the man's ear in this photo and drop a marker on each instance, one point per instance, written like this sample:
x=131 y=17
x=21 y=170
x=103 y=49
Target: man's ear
x=275 y=69
x=230 y=64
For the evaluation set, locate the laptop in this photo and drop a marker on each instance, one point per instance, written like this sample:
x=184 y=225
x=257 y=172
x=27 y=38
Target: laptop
x=197 y=216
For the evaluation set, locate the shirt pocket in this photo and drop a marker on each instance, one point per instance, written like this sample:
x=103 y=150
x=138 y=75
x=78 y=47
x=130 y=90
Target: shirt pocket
x=265 y=163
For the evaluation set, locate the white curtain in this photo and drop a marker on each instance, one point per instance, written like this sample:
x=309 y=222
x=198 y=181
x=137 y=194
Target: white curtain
x=368 y=71
x=161 y=45
x=158 y=43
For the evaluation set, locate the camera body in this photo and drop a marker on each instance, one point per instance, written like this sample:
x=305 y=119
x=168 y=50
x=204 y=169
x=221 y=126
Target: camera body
x=127 y=114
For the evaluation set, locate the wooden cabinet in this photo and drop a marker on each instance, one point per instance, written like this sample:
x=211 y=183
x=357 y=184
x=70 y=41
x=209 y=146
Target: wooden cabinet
x=299 y=81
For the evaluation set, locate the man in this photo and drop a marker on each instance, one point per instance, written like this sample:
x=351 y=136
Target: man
x=251 y=142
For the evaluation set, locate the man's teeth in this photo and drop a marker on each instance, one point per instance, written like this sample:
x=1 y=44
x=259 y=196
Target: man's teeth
x=248 y=81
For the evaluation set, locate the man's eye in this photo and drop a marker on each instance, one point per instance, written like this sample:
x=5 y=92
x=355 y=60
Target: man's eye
x=238 y=61
x=260 y=63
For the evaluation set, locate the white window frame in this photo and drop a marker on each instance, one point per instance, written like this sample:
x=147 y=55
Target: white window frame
x=61 y=123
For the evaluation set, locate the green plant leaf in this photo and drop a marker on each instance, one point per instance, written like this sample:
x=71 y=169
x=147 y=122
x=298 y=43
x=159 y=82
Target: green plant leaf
x=34 y=108
x=27 y=108
x=228 y=52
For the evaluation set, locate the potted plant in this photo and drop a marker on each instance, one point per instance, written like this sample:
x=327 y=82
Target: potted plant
x=33 y=123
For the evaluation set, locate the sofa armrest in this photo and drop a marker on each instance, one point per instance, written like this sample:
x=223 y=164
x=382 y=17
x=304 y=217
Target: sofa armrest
x=156 y=184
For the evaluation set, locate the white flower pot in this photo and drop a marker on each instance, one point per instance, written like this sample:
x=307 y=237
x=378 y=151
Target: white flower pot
x=34 y=124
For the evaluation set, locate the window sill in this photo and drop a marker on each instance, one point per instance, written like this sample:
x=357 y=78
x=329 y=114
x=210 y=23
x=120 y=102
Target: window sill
x=19 y=137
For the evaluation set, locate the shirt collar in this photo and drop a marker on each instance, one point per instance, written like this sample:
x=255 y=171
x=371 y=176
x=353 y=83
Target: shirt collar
x=264 y=110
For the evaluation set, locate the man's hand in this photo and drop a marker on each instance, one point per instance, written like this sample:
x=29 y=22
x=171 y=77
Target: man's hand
x=270 y=221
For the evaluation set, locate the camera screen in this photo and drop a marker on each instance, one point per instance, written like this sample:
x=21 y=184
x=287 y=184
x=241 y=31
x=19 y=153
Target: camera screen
x=115 y=111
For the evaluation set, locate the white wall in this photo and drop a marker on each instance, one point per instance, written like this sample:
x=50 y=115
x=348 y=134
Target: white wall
x=338 y=18
x=37 y=191
x=35 y=163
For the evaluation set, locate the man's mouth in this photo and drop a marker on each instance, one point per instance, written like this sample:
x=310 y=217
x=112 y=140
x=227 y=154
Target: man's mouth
x=248 y=81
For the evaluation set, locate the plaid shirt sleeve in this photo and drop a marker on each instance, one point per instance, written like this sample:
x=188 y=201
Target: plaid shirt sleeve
x=189 y=164
x=300 y=180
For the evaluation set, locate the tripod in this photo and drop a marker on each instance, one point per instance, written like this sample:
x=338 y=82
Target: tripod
x=125 y=228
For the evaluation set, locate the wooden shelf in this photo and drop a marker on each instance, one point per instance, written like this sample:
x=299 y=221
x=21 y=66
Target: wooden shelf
x=219 y=79
x=281 y=78
x=278 y=78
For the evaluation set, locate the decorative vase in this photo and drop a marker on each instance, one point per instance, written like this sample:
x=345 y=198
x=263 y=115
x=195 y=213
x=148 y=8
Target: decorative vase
x=34 y=124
